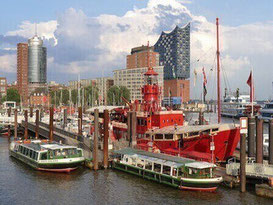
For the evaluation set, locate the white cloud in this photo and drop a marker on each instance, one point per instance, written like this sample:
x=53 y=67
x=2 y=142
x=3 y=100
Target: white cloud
x=88 y=45
x=44 y=29
x=8 y=63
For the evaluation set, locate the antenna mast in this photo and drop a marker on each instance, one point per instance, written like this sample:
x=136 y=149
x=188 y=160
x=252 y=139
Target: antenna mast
x=218 y=73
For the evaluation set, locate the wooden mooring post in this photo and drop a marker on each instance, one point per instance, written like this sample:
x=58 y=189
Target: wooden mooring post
x=106 y=137
x=270 y=154
x=96 y=134
x=26 y=125
x=251 y=136
x=259 y=141
x=9 y=115
x=51 y=114
x=37 y=124
x=243 y=163
x=65 y=118
x=15 y=124
x=80 y=121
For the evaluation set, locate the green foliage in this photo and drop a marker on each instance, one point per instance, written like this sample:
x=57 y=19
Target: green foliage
x=115 y=93
x=12 y=95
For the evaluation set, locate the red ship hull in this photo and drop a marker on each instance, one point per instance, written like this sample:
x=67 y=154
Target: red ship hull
x=198 y=148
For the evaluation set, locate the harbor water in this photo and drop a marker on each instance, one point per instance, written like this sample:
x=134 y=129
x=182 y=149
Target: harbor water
x=20 y=184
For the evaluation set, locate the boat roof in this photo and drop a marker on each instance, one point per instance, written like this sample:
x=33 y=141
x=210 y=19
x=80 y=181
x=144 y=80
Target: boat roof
x=38 y=145
x=164 y=159
x=160 y=158
x=189 y=128
x=200 y=165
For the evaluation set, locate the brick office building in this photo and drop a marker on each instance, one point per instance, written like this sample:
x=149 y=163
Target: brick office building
x=138 y=57
x=22 y=71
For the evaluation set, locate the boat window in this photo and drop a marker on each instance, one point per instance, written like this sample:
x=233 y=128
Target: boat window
x=30 y=153
x=43 y=156
x=158 y=136
x=51 y=154
x=169 y=136
x=65 y=153
x=140 y=163
x=214 y=130
x=174 y=172
x=166 y=170
x=27 y=152
x=148 y=165
x=157 y=167
x=181 y=172
x=36 y=156
x=206 y=132
x=193 y=134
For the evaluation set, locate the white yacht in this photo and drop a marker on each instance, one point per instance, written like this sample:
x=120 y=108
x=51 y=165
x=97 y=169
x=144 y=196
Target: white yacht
x=266 y=113
x=235 y=107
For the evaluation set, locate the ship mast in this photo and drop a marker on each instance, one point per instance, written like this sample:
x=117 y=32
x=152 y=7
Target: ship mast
x=218 y=73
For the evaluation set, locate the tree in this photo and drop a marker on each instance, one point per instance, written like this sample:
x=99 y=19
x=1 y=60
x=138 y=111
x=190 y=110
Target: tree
x=115 y=93
x=91 y=95
x=12 y=95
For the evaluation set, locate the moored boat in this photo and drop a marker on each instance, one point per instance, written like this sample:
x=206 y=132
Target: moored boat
x=47 y=156
x=178 y=172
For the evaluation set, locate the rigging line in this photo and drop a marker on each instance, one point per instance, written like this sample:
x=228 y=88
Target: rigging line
x=202 y=56
x=225 y=77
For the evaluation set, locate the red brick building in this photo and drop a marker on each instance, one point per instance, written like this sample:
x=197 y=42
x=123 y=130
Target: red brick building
x=22 y=71
x=39 y=100
x=177 y=87
x=138 y=57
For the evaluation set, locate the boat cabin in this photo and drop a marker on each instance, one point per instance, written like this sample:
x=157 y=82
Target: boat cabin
x=165 y=165
x=45 y=151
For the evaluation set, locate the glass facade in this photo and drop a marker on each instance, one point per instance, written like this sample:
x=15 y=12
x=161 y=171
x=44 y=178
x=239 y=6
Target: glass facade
x=37 y=62
x=174 y=50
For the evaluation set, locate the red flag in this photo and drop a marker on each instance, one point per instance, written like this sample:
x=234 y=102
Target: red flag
x=204 y=84
x=250 y=84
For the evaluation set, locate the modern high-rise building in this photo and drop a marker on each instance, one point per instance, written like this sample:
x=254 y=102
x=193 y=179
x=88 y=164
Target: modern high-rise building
x=36 y=61
x=22 y=71
x=139 y=55
x=174 y=50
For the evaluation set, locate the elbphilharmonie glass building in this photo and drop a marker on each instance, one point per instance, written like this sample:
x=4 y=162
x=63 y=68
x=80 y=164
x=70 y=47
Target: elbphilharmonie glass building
x=174 y=50
x=37 y=63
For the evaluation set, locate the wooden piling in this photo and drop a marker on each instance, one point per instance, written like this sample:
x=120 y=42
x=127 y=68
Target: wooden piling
x=259 y=141
x=129 y=130
x=243 y=163
x=80 y=121
x=106 y=137
x=31 y=111
x=270 y=154
x=15 y=124
x=51 y=114
x=65 y=118
x=201 y=117
x=26 y=125
x=133 y=127
x=251 y=136
x=9 y=115
x=37 y=124
x=96 y=134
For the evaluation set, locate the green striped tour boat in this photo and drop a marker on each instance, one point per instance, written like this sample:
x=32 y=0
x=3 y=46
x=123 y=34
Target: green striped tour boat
x=47 y=156
x=181 y=173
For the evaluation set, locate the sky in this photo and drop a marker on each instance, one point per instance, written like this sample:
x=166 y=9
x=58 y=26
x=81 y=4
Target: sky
x=92 y=38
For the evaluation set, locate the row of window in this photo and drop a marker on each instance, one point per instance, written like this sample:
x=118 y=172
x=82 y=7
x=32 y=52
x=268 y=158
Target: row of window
x=28 y=152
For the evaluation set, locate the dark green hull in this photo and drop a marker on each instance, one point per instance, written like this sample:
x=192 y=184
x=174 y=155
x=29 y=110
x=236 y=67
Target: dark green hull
x=57 y=167
x=201 y=185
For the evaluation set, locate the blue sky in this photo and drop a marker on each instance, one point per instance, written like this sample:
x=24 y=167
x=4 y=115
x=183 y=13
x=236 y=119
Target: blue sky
x=232 y=12
x=93 y=37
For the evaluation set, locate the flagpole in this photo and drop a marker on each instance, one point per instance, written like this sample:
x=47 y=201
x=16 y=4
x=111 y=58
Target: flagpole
x=252 y=91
